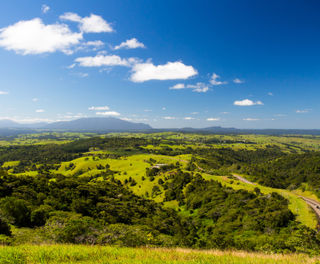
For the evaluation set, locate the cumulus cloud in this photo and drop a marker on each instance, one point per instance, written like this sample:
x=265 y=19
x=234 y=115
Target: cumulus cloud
x=247 y=102
x=189 y=118
x=169 y=118
x=170 y=71
x=34 y=37
x=90 y=24
x=99 y=108
x=39 y=111
x=102 y=60
x=3 y=93
x=199 y=87
x=238 y=81
x=214 y=80
x=108 y=113
x=251 y=119
x=130 y=44
x=213 y=119
x=45 y=9
x=94 y=43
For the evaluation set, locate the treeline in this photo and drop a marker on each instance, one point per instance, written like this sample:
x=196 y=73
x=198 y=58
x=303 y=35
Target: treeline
x=289 y=171
x=57 y=153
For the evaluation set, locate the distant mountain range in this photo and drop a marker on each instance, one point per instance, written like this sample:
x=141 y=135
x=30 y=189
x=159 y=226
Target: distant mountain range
x=82 y=124
x=110 y=124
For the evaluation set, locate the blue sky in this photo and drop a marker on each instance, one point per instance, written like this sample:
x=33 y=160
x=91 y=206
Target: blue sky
x=245 y=64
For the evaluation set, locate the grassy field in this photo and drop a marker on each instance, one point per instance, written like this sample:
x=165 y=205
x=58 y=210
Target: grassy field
x=59 y=254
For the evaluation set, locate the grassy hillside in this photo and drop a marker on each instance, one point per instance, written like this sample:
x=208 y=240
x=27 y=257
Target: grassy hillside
x=59 y=254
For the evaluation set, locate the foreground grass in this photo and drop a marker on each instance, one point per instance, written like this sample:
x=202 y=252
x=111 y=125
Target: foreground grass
x=96 y=254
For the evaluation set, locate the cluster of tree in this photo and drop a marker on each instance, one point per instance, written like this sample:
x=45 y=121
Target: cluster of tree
x=87 y=210
x=288 y=171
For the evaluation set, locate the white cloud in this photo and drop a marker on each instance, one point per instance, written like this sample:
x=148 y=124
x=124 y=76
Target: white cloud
x=247 y=102
x=108 y=113
x=101 y=60
x=270 y=94
x=164 y=108
x=34 y=37
x=82 y=74
x=45 y=9
x=3 y=93
x=98 y=108
x=214 y=80
x=224 y=113
x=304 y=111
x=194 y=113
x=35 y=99
x=126 y=119
x=71 y=66
x=189 y=118
x=90 y=24
x=237 y=80
x=178 y=86
x=213 y=119
x=199 y=87
x=39 y=111
x=170 y=71
x=169 y=118
x=251 y=119
x=147 y=110
x=95 y=43
x=130 y=44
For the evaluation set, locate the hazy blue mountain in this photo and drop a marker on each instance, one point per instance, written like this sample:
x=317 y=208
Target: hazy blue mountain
x=98 y=124
x=6 y=123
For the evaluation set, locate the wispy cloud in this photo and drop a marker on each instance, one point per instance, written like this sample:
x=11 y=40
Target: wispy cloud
x=3 y=93
x=247 y=102
x=213 y=119
x=303 y=111
x=101 y=60
x=98 y=108
x=238 y=81
x=169 y=117
x=214 y=80
x=108 y=113
x=40 y=111
x=45 y=9
x=189 y=118
x=198 y=87
x=250 y=119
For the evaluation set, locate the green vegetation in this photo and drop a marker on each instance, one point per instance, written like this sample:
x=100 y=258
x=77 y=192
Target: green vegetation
x=160 y=190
